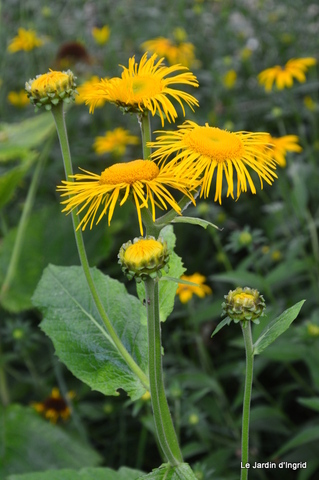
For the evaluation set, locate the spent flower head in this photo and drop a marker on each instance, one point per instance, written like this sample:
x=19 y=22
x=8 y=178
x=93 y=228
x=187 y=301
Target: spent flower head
x=244 y=305
x=52 y=88
x=212 y=150
x=54 y=407
x=144 y=257
x=146 y=86
x=283 y=77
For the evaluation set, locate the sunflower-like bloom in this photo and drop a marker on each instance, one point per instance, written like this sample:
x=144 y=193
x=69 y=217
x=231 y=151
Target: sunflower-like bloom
x=101 y=35
x=25 y=40
x=174 y=52
x=281 y=145
x=284 y=76
x=115 y=142
x=186 y=292
x=142 y=179
x=210 y=149
x=145 y=86
x=86 y=87
x=18 y=99
x=54 y=406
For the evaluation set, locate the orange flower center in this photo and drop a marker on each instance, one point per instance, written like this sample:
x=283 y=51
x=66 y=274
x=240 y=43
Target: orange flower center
x=215 y=143
x=128 y=173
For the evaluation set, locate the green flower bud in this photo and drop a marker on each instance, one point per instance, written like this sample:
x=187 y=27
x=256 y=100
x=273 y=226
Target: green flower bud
x=244 y=304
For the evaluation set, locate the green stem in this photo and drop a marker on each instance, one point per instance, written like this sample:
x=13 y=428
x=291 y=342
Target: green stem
x=246 y=329
x=23 y=222
x=4 y=391
x=144 y=121
x=162 y=417
x=58 y=115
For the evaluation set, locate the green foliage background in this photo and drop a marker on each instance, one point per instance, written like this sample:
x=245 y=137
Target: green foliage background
x=279 y=256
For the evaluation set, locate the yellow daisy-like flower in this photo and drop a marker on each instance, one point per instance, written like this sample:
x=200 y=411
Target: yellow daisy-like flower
x=145 y=86
x=186 y=292
x=101 y=35
x=180 y=52
x=142 y=179
x=18 y=99
x=54 y=406
x=229 y=79
x=115 y=142
x=25 y=40
x=210 y=149
x=86 y=87
x=280 y=146
x=283 y=76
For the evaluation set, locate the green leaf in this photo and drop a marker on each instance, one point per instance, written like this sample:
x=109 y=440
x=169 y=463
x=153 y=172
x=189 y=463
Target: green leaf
x=167 y=472
x=312 y=403
x=79 y=335
x=10 y=180
x=18 y=138
x=123 y=473
x=278 y=326
x=221 y=324
x=167 y=290
x=195 y=221
x=241 y=278
x=309 y=434
x=29 y=443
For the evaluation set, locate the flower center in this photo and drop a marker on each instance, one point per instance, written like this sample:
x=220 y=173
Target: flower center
x=130 y=172
x=245 y=300
x=145 y=87
x=143 y=251
x=215 y=143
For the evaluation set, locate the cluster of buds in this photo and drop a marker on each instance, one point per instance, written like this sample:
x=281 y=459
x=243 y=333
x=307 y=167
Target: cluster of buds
x=51 y=88
x=144 y=257
x=244 y=305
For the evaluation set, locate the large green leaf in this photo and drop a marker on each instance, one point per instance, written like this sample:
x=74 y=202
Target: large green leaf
x=307 y=435
x=17 y=139
x=123 y=473
x=28 y=443
x=167 y=289
x=166 y=472
x=48 y=238
x=278 y=326
x=80 y=338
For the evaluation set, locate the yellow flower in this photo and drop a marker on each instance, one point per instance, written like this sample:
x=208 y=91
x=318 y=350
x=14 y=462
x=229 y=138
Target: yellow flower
x=101 y=35
x=180 y=52
x=86 y=87
x=25 y=40
x=244 y=304
x=145 y=86
x=115 y=142
x=54 y=406
x=229 y=79
x=186 y=292
x=18 y=99
x=280 y=146
x=51 y=88
x=142 y=179
x=144 y=257
x=283 y=76
x=210 y=149
x=309 y=103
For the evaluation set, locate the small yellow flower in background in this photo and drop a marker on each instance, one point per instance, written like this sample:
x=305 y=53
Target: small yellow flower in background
x=229 y=79
x=210 y=149
x=280 y=146
x=283 y=76
x=313 y=330
x=309 y=103
x=144 y=257
x=276 y=255
x=146 y=397
x=245 y=53
x=174 y=52
x=186 y=292
x=145 y=86
x=86 y=87
x=54 y=406
x=101 y=35
x=51 y=88
x=115 y=142
x=25 y=40
x=142 y=179
x=18 y=99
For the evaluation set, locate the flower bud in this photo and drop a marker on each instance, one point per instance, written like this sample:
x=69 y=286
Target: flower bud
x=244 y=304
x=51 y=88
x=143 y=258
